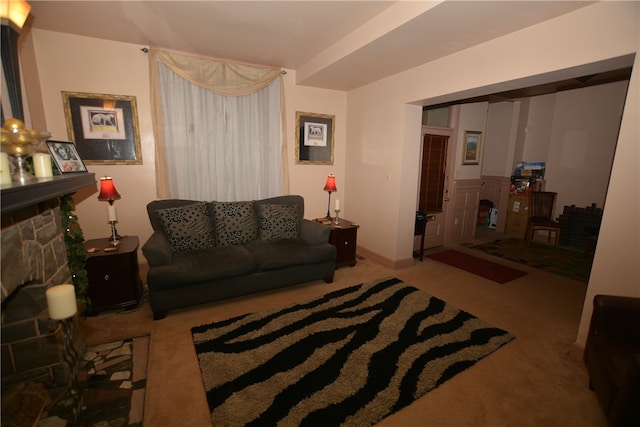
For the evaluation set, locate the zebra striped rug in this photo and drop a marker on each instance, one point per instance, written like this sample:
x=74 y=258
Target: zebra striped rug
x=351 y=357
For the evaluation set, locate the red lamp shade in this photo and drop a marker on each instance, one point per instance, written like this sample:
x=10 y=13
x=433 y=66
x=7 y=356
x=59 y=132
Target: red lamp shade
x=330 y=186
x=108 y=191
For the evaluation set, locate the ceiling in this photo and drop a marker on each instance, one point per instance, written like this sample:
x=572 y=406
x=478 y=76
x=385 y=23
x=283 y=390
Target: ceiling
x=337 y=45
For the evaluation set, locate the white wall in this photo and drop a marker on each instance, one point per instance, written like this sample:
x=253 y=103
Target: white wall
x=80 y=64
x=309 y=180
x=587 y=40
x=473 y=117
x=582 y=143
x=537 y=135
x=500 y=141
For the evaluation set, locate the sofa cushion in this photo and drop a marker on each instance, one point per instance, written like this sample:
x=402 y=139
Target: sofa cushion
x=202 y=266
x=235 y=223
x=188 y=228
x=279 y=222
x=276 y=254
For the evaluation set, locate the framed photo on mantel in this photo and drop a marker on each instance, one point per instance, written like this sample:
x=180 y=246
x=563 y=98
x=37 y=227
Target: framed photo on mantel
x=314 y=138
x=103 y=127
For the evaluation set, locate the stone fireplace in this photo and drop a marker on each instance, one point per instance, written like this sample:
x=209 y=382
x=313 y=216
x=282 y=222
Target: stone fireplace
x=33 y=259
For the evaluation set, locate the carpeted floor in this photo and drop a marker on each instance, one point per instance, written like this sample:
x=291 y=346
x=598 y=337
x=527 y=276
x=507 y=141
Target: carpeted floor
x=350 y=358
x=565 y=262
x=489 y=270
x=532 y=381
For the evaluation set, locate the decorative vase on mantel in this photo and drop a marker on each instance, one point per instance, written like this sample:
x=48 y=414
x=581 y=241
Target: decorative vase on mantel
x=19 y=143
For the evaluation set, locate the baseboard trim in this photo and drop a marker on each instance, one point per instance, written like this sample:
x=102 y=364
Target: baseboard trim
x=385 y=262
x=576 y=352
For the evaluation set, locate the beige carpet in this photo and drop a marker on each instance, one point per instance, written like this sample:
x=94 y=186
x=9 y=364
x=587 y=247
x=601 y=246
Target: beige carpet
x=533 y=381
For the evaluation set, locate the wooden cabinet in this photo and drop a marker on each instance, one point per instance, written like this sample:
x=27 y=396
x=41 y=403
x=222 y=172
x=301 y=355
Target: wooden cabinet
x=517 y=216
x=344 y=237
x=114 y=278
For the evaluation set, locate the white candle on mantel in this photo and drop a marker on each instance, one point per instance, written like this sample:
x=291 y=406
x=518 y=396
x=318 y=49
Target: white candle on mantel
x=61 y=300
x=337 y=204
x=42 y=165
x=111 y=212
x=5 y=170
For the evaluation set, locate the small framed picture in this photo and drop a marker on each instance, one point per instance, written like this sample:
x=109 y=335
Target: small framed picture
x=314 y=138
x=103 y=127
x=472 y=147
x=66 y=157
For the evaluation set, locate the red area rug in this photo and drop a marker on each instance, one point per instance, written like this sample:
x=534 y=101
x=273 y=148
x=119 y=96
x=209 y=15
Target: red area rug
x=478 y=266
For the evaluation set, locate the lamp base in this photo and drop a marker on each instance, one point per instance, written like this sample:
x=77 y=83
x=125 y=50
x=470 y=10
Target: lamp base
x=114 y=239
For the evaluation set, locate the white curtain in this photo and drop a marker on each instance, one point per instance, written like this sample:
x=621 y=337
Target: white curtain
x=225 y=145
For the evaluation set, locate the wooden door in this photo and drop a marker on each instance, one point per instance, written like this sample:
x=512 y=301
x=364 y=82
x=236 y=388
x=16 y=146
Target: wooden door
x=433 y=187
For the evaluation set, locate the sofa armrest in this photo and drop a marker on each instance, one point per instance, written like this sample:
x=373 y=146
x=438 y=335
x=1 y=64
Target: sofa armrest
x=157 y=250
x=315 y=233
x=613 y=316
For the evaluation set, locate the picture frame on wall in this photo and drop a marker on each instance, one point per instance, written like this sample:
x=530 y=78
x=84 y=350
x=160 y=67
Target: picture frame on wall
x=103 y=127
x=66 y=157
x=314 y=138
x=472 y=147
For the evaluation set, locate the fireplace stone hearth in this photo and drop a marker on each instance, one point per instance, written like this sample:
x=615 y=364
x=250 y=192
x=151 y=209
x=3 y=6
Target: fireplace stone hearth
x=34 y=258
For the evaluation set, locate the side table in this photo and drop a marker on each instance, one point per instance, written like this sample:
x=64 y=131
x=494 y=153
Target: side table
x=344 y=237
x=114 y=277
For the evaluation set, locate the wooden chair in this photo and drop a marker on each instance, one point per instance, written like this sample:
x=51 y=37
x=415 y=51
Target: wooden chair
x=541 y=205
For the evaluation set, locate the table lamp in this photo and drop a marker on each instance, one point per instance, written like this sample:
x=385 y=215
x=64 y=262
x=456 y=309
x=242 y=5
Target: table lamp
x=109 y=193
x=330 y=186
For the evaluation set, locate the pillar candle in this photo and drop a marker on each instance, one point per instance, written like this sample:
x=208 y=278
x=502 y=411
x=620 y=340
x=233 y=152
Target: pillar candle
x=61 y=300
x=42 y=165
x=337 y=204
x=111 y=211
x=5 y=170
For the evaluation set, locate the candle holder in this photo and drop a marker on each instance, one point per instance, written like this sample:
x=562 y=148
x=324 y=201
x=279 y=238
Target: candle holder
x=62 y=304
x=70 y=356
x=337 y=219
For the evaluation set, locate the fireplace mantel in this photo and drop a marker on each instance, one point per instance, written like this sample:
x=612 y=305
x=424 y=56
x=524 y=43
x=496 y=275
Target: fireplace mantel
x=16 y=196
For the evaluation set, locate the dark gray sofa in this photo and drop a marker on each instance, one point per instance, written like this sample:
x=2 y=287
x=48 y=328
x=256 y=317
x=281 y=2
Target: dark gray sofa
x=201 y=252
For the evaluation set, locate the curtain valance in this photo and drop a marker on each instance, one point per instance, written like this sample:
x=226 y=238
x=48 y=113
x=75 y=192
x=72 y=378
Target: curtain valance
x=220 y=77
x=224 y=79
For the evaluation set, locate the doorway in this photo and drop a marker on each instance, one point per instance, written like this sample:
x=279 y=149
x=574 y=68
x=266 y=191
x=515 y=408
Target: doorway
x=437 y=152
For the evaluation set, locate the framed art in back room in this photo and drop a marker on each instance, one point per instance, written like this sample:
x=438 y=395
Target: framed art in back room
x=472 y=147
x=103 y=127
x=314 y=138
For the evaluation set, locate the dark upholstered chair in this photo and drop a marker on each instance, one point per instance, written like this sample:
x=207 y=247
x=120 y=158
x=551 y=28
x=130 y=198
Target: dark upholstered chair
x=612 y=356
x=541 y=205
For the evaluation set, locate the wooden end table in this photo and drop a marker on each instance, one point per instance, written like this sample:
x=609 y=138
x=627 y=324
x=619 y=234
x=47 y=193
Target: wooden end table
x=344 y=237
x=114 y=277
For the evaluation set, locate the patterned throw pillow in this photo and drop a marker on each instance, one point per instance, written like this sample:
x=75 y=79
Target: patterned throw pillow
x=235 y=223
x=188 y=228
x=279 y=222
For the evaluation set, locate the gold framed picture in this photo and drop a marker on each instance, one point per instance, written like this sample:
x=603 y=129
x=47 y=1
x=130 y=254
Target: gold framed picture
x=314 y=138
x=472 y=147
x=103 y=127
